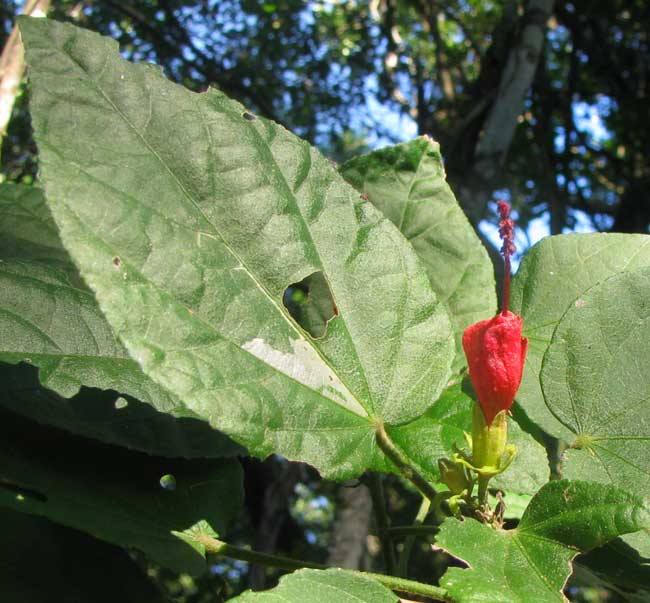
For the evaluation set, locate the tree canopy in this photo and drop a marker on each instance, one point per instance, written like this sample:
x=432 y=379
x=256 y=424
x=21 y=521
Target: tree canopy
x=545 y=102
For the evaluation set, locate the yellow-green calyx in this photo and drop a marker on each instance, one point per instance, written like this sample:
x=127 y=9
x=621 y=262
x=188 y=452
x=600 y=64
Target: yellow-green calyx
x=454 y=476
x=488 y=441
x=491 y=454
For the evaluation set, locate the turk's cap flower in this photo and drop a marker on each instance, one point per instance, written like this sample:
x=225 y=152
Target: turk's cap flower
x=496 y=353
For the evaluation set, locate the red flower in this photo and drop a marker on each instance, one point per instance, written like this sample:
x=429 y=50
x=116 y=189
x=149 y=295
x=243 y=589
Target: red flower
x=496 y=353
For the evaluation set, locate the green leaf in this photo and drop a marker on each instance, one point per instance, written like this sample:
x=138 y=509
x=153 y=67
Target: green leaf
x=316 y=586
x=435 y=434
x=639 y=541
x=533 y=561
x=49 y=319
x=112 y=418
x=114 y=494
x=28 y=232
x=618 y=564
x=553 y=276
x=407 y=183
x=595 y=380
x=189 y=222
x=41 y=562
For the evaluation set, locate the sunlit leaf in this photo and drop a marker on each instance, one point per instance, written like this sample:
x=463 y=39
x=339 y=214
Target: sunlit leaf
x=407 y=183
x=189 y=221
x=552 y=278
x=533 y=561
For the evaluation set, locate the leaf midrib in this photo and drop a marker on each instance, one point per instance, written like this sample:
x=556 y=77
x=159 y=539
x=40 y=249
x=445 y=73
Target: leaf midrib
x=232 y=252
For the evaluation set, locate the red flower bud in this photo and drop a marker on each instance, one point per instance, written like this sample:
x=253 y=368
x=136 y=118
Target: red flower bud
x=496 y=353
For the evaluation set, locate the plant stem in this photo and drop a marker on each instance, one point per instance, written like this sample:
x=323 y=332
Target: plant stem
x=219 y=547
x=483 y=490
x=383 y=522
x=421 y=515
x=413 y=530
x=402 y=463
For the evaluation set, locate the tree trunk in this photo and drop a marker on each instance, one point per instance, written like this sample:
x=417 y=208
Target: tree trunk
x=473 y=184
x=350 y=531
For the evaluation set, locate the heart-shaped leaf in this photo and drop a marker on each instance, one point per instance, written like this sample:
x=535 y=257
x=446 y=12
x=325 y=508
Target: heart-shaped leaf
x=553 y=276
x=189 y=220
x=595 y=380
x=533 y=561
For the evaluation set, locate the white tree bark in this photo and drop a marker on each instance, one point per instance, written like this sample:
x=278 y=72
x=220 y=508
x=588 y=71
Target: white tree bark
x=12 y=65
x=516 y=79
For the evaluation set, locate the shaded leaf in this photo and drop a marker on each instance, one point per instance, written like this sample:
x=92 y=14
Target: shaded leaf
x=640 y=542
x=595 y=380
x=112 y=418
x=49 y=319
x=41 y=562
x=407 y=183
x=114 y=494
x=619 y=565
x=533 y=561
x=552 y=277
x=212 y=216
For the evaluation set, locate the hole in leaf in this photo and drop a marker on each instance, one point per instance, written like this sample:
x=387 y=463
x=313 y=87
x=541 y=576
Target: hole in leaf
x=121 y=403
x=248 y=116
x=23 y=493
x=117 y=262
x=168 y=482
x=310 y=304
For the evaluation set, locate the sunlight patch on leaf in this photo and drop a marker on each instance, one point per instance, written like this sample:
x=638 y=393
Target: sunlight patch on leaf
x=307 y=367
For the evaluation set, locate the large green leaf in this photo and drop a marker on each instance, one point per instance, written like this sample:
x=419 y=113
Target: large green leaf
x=189 y=218
x=595 y=380
x=442 y=427
x=111 y=417
x=407 y=183
x=49 y=319
x=316 y=586
x=41 y=562
x=114 y=494
x=553 y=276
x=533 y=561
